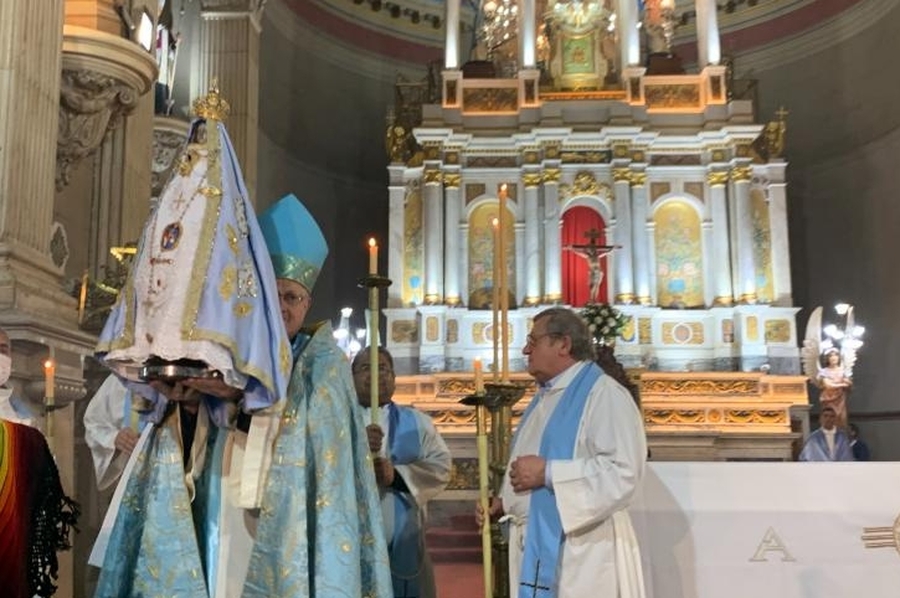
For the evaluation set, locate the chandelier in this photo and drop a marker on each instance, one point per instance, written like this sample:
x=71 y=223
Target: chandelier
x=499 y=22
x=578 y=16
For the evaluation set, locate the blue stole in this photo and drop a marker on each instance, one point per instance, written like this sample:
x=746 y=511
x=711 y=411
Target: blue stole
x=404 y=548
x=543 y=532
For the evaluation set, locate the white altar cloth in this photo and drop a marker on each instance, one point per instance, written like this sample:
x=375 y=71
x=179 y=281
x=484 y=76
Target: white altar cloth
x=780 y=530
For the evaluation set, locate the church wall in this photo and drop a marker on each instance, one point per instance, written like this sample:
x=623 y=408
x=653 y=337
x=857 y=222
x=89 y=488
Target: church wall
x=321 y=137
x=843 y=143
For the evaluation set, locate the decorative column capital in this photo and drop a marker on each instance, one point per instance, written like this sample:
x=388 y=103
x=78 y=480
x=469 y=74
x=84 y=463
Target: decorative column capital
x=452 y=180
x=432 y=176
x=621 y=174
x=717 y=178
x=741 y=173
x=532 y=179
x=638 y=178
x=103 y=77
x=551 y=175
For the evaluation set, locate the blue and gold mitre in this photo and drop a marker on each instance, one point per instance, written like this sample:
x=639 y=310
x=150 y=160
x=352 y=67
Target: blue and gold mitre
x=295 y=241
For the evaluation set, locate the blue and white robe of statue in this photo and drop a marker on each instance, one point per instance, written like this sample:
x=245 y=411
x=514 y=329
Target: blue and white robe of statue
x=202 y=286
x=816 y=447
x=318 y=531
x=421 y=458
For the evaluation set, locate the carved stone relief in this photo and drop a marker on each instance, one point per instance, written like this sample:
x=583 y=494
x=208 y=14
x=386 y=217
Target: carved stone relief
x=91 y=104
x=167 y=145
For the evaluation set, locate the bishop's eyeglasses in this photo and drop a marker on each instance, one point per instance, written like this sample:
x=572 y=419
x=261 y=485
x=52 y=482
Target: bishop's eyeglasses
x=292 y=299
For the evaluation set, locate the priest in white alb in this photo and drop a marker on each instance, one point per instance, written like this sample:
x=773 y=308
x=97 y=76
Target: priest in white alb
x=575 y=462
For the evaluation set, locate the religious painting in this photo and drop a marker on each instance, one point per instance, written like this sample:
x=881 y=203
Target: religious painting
x=481 y=256
x=584 y=261
x=762 y=246
x=578 y=55
x=413 y=246
x=679 y=256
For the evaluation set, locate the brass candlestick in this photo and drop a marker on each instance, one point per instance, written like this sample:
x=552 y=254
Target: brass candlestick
x=498 y=399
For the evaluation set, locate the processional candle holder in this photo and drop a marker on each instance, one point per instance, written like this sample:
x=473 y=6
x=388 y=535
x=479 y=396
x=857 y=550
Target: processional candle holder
x=374 y=282
x=498 y=400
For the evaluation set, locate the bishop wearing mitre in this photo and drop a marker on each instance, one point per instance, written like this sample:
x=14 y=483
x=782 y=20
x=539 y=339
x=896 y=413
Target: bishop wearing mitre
x=202 y=289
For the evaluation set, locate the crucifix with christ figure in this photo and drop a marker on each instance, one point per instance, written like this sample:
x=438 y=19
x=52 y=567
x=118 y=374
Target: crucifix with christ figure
x=593 y=252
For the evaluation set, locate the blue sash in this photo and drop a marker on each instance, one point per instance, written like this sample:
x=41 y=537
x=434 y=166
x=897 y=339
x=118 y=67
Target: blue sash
x=543 y=532
x=404 y=547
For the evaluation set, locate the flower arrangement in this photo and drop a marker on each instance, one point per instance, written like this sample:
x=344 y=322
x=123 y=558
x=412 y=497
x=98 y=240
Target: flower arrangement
x=604 y=321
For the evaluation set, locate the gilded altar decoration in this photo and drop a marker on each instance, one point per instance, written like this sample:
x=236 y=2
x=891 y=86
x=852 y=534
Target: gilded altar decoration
x=585 y=184
x=496 y=99
x=452 y=331
x=700 y=386
x=672 y=95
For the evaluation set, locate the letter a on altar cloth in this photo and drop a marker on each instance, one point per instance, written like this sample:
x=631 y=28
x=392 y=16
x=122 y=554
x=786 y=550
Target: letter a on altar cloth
x=202 y=287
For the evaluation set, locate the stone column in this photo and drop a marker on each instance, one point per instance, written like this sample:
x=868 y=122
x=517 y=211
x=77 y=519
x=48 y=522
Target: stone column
x=623 y=257
x=552 y=235
x=229 y=53
x=630 y=44
x=452 y=253
x=639 y=237
x=433 y=230
x=778 y=219
x=708 y=44
x=532 y=244
x=30 y=62
x=527 y=34
x=397 y=189
x=451 y=39
x=720 y=256
x=745 y=269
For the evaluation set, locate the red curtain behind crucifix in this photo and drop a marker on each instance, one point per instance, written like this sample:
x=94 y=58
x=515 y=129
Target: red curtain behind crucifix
x=577 y=222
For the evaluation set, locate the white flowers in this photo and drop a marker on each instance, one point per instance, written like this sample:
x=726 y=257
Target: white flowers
x=604 y=321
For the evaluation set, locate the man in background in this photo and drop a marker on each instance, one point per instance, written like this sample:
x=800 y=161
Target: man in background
x=858 y=445
x=412 y=466
x=828 y=443
x=111 y=430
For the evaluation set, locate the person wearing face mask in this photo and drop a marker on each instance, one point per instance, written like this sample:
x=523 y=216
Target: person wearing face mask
x=36 y=516
x=12 y=408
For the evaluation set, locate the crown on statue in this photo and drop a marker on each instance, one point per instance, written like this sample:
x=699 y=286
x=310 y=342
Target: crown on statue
x=212 y=106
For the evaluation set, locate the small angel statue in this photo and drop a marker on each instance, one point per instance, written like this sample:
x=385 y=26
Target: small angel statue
x=828 y=357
